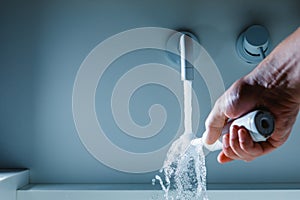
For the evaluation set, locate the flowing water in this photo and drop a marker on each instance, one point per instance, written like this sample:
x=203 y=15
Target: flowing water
x=184 y=169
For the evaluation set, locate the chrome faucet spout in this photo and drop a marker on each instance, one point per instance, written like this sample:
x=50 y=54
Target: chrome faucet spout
x=186 y=51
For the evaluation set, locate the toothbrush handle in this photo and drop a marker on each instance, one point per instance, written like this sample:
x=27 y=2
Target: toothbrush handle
x=259 y=123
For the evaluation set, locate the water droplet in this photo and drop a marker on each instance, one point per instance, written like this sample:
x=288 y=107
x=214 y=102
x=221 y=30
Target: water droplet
x=153 y=181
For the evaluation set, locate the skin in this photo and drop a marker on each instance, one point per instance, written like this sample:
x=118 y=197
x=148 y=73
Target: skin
x=273 y=85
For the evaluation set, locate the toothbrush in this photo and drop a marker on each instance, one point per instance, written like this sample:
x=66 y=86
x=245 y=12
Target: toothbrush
x=259 y=123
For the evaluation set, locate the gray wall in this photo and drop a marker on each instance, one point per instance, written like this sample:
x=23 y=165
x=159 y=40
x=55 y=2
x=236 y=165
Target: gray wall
x=43 y=44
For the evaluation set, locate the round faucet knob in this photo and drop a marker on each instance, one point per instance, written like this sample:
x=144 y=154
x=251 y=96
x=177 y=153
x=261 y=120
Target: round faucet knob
x=253 y=44
x=256 y=37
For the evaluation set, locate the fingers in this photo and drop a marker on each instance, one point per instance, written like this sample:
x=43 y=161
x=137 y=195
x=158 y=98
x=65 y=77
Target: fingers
x=232 y=104
x=247 y=145
x=224 y=158
x=238 y=145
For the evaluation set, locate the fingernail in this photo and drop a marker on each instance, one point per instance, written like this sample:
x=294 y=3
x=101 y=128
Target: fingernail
x=233 y=132
x=242 y=135
x=225 y=141
x=235 y=127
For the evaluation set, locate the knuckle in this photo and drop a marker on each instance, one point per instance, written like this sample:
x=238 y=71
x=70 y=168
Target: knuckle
x=228 y=152
x=245 y=146
x=234 y=144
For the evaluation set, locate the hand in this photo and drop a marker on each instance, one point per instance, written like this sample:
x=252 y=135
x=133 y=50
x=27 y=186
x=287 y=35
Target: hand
x=273 y=85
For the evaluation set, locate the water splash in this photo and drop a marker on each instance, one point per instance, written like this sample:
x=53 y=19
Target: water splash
x=185 y=178
x=184 y=168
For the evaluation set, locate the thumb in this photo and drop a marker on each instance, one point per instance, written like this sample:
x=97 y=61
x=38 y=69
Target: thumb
x=214 y=124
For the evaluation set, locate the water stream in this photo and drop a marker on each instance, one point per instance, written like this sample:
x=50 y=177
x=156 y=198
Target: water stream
x=184 y=170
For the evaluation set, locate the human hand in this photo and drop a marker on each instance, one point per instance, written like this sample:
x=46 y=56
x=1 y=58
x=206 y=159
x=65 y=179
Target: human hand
x=274 y=85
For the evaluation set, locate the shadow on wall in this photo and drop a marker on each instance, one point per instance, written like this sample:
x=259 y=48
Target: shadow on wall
x=18 y=66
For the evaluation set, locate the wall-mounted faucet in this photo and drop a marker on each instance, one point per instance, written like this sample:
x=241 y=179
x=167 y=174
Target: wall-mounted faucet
x=186 y=51
x=183 y=44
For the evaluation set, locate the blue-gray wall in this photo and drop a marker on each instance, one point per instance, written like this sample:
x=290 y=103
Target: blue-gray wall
x=43 y=44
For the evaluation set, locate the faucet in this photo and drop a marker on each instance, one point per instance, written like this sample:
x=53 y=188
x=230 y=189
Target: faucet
x=186 y=52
